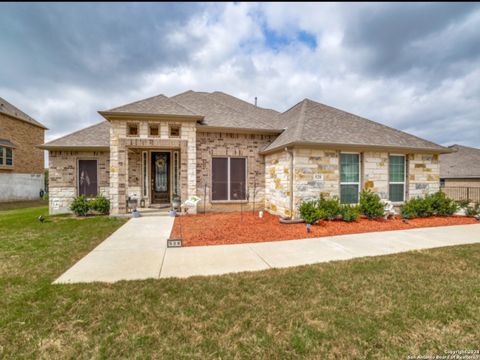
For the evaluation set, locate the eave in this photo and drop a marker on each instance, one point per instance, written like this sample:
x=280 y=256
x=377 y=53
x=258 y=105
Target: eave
x=113 y=115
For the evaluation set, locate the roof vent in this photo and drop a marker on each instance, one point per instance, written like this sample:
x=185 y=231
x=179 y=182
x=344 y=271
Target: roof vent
x=255 y=101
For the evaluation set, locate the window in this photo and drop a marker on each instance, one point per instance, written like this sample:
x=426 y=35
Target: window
x=132 y=129
x=396 y=175
x=145 y=174
x=87 y=178
x=153 y=130
x=349 y=178
x=229 y=178
x=174 y=131
x=6 y=156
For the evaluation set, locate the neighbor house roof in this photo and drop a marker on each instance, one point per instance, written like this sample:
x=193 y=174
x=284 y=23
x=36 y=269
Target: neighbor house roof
x=11 y=110
x=464 y=162
x=93 y=137
x=312 y=123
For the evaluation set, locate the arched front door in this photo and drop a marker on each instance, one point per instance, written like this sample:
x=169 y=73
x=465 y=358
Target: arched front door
x=160 y=178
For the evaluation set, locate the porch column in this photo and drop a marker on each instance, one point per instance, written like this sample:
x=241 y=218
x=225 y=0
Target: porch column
x=118 y=179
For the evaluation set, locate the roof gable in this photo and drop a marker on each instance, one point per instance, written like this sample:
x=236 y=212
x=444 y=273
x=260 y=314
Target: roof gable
x=95 y=136
x=11 y=110
x=159 y=104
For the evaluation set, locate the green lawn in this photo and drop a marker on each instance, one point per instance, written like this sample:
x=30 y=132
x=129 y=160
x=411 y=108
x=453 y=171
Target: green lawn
x=386 y=307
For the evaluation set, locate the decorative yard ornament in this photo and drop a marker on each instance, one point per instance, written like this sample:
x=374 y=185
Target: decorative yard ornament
x=41 y=218
x=309 y=227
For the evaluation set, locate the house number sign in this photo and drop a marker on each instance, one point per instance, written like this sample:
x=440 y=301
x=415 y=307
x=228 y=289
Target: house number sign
x=174 y=243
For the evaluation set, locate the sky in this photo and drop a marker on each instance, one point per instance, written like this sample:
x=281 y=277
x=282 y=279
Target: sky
x=412 y=66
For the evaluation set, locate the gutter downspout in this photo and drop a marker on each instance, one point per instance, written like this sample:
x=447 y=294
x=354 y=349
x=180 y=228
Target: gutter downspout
x=290 y=153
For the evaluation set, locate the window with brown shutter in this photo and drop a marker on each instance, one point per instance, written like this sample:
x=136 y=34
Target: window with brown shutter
x=229 y=179
x=87 y=178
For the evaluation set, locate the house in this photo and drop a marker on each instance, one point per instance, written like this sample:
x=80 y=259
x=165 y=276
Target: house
x=21 y=161
x=234 y=154
x=460 y=173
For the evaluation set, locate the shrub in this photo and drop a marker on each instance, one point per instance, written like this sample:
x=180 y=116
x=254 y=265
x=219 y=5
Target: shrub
x=371 y=205
x=100 y=204
x=440 y=204
x=349 y=212
x=80 y=205
x=309 y=211
x=472 y=210
x=329 y=208
x=463 y=204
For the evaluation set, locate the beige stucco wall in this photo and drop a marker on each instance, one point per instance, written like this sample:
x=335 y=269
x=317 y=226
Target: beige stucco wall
x=63 y=177
x=210 y=144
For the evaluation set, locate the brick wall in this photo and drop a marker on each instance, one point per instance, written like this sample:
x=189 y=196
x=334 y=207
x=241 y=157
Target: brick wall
x=63 y=176
x=211 y=144
x=27 y=158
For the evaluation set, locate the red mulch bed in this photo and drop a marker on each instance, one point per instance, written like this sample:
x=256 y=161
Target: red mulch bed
x=237 y=228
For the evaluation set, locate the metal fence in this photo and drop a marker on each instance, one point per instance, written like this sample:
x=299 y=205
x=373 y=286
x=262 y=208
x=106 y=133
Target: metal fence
x=462 y=192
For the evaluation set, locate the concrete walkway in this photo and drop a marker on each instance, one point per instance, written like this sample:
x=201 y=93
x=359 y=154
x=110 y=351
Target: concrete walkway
x=116 y=259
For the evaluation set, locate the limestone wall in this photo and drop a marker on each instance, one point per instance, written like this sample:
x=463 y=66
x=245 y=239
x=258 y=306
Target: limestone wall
x=423 y=174
x=277 y=183
x=375 y=173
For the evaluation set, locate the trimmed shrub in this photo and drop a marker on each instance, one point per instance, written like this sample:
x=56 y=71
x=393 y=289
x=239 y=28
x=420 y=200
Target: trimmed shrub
x=349 y=212
x=441 y=204
x=309 y=211
x=472 y=210
x=80 y=205
x=371 y=205
x=100 y=204
x=329 y=208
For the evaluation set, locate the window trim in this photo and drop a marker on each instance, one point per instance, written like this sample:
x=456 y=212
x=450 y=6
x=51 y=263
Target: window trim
x=170 y=126
x=4 y=164
x=350 y=183
x=77 y=190
x=404 y=183
x=229 y=200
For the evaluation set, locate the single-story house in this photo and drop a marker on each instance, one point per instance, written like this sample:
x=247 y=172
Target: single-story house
x=460 y=173
x=460 y=167
x=22 y=163
x=234 y=154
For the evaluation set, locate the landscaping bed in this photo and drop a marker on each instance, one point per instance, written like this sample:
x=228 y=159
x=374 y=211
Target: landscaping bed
x=238 y=228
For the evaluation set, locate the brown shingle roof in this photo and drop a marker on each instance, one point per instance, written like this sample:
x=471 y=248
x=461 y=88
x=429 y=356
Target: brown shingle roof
x=310 y=122
x=159 y=104
x=463 y=163
x=224 y=111
x=10 y=110
x=96 y=136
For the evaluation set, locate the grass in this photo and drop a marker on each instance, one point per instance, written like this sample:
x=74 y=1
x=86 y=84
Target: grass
x=22 y=204
x=385 y=307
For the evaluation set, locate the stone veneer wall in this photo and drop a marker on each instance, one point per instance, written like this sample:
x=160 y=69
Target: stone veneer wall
x=211 y=144
x=63 y=177
x=120 y=178
x=423 y=174
x=316 y=172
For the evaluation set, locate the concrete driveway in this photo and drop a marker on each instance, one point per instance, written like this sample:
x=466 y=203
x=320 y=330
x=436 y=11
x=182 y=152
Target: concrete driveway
x=138 y=251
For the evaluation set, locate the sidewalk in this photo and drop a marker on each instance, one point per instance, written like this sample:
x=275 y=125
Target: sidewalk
x=138 y=251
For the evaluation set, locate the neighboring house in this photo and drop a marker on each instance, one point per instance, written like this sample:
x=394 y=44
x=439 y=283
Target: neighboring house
x=231 y=153
x=22 y=163
x=461 y=167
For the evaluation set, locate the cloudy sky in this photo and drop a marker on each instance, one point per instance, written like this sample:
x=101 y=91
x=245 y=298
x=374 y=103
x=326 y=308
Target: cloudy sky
x=412 y=66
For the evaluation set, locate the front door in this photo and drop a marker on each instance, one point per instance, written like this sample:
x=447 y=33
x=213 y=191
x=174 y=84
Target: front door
x=160 y=177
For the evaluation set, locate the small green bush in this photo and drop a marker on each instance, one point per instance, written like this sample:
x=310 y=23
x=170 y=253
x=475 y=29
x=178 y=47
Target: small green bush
x=309 y=212
x=329 y=208
x=472 y=210
x=441 y=205
x=80 y=205
x=371 y=205
x=435 y=204
x=100 y=204
x=349 y=212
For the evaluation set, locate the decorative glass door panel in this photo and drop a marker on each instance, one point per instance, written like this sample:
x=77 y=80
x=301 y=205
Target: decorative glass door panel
x=160 y=177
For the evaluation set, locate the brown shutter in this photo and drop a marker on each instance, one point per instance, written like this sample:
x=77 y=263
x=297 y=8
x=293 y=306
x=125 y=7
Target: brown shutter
x=219 y=178
x=237 y=179
x=87 y=178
